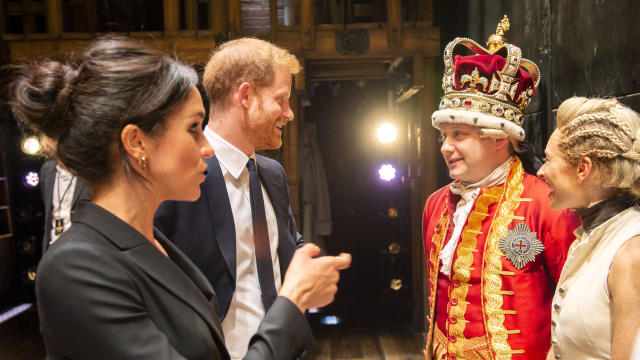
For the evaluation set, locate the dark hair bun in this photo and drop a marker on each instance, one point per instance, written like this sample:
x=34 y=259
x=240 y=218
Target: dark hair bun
x=40 y=96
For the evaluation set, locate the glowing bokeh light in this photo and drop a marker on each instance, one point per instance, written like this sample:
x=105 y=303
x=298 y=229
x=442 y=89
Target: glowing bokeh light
x=14 y=312
x=387 y=132
x=331 y=320
x=32 y=179
x=31 y=145
x=387 y=172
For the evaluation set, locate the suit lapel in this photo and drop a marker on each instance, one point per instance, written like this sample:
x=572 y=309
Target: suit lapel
x=177 y=276
x=276 y=190
x=215 y=191
x=48 y=173
x=80 y=192
x=206 y=310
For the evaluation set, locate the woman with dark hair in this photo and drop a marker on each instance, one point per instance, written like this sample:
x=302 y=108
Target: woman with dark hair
x=593 y=166
x=128 y=120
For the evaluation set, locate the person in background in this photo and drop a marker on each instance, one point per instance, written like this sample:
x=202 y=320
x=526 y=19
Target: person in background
x=593 y=166
x=127 y=120
x=241 y=231
x=61 y=193
x=493 y=245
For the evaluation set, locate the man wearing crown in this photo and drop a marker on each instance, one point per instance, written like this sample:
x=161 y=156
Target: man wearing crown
x=494 y=247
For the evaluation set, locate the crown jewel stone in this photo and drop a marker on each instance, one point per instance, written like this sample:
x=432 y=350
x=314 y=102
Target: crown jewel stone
x=509 y=114
x=497 y=110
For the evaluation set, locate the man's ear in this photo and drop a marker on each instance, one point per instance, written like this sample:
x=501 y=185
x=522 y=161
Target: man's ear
x=134 y=141
x=585 y=168
x=242 y=93
x=501 y=143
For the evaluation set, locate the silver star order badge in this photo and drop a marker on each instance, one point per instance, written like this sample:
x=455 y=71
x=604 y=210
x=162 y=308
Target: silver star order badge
x=521 y=245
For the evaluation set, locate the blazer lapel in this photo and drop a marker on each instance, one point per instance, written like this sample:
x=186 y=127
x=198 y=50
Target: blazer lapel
x=177 y=276
x=224 y=228
x=199 y=280
x=276 y=190
x=81 y=191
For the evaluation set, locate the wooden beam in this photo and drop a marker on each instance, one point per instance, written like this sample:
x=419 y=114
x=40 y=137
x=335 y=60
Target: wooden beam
x=273 y=19
x=394 y=24
x=191 y=14
x=218 y=17
x=25 y=8
x=54 y=16
x=429 y=146
x=306 y=25
x=235 y=19
x=425 y=11
x=195 y=47
x=91 y=11
x=4 y=50
x=171 y=10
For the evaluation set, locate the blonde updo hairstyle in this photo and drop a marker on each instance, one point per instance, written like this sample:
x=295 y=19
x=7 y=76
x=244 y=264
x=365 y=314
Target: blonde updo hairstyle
x=608 y=133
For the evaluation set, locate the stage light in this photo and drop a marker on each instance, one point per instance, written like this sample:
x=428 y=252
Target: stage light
x=27 y=246
x=31 y=179
x=396 y=284
x=392 y=212
x=394 y=248
x=31 y=145
x=29 y=275
x=330 y=320
x=14 y=312
x=387 y=132
x=387 y=172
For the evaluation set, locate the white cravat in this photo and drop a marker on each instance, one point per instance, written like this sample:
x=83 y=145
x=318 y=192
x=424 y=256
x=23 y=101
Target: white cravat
x=468 y=194
x=246 y=310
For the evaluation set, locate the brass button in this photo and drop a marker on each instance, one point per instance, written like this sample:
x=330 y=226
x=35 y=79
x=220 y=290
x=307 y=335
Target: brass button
x=454 y=302
x=556 y=307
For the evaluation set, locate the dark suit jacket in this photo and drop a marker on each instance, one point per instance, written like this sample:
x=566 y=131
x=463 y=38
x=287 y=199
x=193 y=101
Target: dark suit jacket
x=82 y=192
x=105 y=292
x=205 y=231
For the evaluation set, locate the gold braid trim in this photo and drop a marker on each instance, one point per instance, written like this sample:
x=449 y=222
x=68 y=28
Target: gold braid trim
x=492 y=267
x=476 y=348
x=434 y=257
x=462 y=267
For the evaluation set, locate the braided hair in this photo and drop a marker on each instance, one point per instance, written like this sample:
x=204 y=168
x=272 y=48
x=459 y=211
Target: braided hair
x=607 y=132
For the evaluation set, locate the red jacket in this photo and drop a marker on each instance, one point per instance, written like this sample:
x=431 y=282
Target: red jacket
x=497 y=302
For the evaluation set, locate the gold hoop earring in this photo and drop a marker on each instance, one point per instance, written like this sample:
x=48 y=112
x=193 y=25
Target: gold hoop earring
x=142 y=162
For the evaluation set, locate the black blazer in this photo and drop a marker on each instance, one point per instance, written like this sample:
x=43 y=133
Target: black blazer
x=205 y=230
x=105 y=292
x=82 y=192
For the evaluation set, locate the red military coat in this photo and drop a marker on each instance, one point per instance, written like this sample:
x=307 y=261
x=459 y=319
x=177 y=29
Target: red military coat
x=497 y=302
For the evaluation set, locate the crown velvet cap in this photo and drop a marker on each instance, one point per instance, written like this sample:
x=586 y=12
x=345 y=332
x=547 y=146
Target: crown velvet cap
x=490 y=89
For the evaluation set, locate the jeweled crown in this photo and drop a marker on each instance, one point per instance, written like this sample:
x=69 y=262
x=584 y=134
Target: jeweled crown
x=496 y=84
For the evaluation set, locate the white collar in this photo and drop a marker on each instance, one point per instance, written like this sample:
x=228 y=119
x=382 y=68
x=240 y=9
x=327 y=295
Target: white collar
x=497 y=176
x=229 y=156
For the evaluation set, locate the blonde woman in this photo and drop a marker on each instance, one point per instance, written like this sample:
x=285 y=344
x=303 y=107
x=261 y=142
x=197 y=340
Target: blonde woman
x=593 y=166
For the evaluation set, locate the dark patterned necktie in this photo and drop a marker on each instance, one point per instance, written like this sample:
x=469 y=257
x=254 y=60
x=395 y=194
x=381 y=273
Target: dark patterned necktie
x=261 y=238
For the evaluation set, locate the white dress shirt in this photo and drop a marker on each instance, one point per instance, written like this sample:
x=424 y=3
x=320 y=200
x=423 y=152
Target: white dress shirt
x=61 y=201
x=246 y=310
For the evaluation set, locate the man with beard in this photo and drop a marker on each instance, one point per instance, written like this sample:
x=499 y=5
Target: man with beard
x=241 y=232
x=494 y=246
